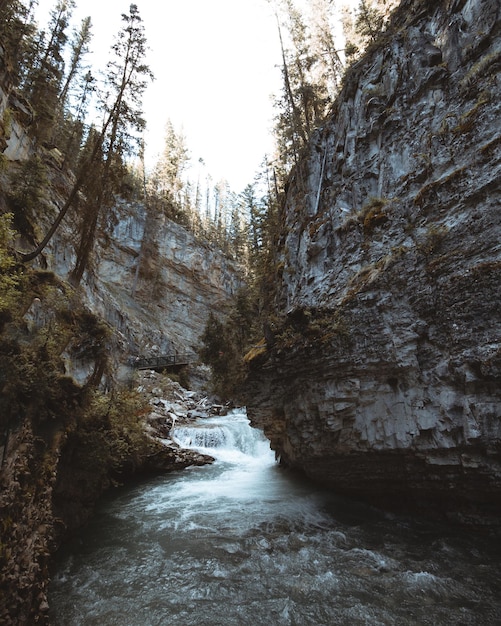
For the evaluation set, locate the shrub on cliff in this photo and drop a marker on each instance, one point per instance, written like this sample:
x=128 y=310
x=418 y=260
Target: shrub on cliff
x=61 y=443
x=224 y=343
x=10 y=277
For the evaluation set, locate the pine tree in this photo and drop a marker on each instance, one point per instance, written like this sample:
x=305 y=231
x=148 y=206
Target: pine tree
x=27 y=189
x=289 y=130
x=79 y=48
x=17 y=31
x=238 y=235
x=250 y=206
x=71 y=132
x=311 y=70
x=370 y=21
x=69 y=124
x=167 y=180
x=43 y=81
x=327 y=52
x=127 y=78
x=365 y=27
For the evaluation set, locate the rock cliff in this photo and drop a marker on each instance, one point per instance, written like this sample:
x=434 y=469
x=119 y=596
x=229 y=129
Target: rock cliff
x=152 y=280
x=384 y=378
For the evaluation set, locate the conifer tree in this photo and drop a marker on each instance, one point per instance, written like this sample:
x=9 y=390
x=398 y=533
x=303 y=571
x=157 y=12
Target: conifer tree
x=17 y=31
x=250 y=206
x=289 y=130
x=369 y=23
x=238 y=235
x=365 y=26
x=79 y=48
x=70 y=135
x=43 y=81
x=311 y=70
x=69 y=125
x=27 y=189
x=127 y=77
x=167 y=179
x=325 y=46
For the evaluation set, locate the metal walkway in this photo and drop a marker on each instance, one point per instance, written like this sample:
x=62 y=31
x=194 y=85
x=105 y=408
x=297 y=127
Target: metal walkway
x=164 y=361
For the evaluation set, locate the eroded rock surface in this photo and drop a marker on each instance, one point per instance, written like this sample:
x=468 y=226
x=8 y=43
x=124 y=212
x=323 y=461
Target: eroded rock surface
x=152 y=280
x=384 y=381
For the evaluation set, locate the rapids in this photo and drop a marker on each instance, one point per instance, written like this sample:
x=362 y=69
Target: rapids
x=244 y=542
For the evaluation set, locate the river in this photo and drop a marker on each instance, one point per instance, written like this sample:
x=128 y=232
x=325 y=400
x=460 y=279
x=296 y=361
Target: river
x=244 y=542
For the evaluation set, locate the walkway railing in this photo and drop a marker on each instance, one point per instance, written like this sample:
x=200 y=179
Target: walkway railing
x=163 y=361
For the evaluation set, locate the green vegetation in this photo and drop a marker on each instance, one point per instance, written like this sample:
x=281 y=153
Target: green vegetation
x=365 y=29
x=312 y=73
x=481 y=67
x=373 y=214
x=52 y=429
x=10 y=277
x=110 y=435
x=225 y=341
x=85 y=165
x=50 y=71
x=64 y=441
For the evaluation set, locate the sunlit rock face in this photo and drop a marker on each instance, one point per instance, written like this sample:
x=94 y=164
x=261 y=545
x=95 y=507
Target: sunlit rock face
x=152 y=280
x=15 y=142
x=385 y=378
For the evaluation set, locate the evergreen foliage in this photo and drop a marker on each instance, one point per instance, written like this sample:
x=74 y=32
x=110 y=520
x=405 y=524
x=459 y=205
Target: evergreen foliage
x=224 y=343
x=126 y=79
x=17 y=37
x=311 y=71
x=365 y=27
x=27 y=190
x=10 y=277
x=102 y=158
x=43 y=80
x=369 y=22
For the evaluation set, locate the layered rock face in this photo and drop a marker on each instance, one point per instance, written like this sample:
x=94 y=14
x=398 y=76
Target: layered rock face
x=151 y=280
x=174 y=279
x=384 y=381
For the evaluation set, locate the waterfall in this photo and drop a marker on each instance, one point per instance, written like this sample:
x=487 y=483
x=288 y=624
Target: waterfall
x=229 y=438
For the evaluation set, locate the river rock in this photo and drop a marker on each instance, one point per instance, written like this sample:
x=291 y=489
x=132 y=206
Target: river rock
x=172 y=457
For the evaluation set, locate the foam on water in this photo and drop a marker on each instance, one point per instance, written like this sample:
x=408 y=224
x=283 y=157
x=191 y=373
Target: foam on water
x=243 y=542
x=231 y=440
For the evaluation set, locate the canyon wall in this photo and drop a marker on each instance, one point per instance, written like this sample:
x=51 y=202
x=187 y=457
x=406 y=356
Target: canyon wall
x=383 y=379
x=152 y=280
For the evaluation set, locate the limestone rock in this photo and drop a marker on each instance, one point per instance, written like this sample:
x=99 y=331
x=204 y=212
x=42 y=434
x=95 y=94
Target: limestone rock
x=152 y=281
x=385 y=380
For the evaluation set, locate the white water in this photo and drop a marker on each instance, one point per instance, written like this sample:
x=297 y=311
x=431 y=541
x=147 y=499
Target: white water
x=241 y=542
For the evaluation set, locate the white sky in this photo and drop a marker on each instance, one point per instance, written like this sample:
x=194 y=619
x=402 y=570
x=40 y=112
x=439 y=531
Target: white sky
x=216 y=64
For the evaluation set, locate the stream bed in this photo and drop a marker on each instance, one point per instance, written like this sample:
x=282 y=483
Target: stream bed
x=244 y=542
